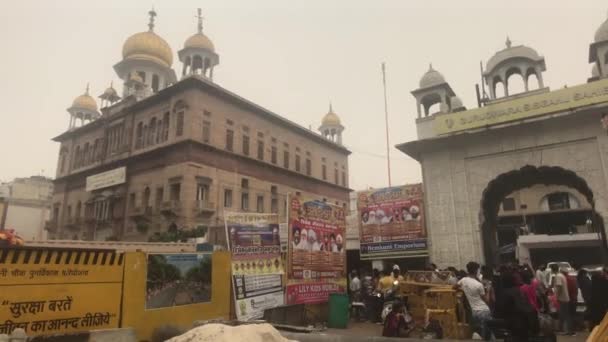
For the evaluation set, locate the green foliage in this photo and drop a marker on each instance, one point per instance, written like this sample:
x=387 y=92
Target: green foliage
x=178 y=235
x=161 y=272
x=142 y=227
x=200 y=273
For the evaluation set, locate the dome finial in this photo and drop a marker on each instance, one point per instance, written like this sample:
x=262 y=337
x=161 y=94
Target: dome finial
x=508 y=43
x=200 y=18
x=430 y=66
x=152 y=14
x=112 y=84
x=331 y=109
x=86 y=92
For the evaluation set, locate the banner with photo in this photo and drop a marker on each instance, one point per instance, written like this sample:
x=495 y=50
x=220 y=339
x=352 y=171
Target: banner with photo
x=178 y=279
x=392 y=222
x=257 y=269
x=316 y=251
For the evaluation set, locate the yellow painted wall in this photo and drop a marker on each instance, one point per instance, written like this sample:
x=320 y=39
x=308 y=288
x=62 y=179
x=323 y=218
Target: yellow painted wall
x=144 y=321
x=50 y=291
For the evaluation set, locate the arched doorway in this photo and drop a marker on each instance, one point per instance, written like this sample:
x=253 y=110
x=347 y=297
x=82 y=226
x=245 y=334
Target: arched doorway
x=525 y=177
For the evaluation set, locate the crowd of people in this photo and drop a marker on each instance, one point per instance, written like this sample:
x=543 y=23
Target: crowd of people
x=529 y=302
x=515 y=298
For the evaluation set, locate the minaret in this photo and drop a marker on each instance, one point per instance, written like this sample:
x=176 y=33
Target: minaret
x=150 y=56
x=331 y=128
x=198 y=55
x=83 y=108
x=109 y=96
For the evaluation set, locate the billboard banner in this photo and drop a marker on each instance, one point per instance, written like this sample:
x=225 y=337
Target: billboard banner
x=178 y=279
x=253 y=240
x=316 y=251
x=392 y=222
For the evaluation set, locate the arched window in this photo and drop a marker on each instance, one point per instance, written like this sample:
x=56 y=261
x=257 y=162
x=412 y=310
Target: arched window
x=165 y=134
x=197 y=64
x=151 y=131
x=515 y=82
x=532 y=80
x=155 y=83
x=499 y=88
x=179 y=124
x=62 y=163
x=146 y=199
x=78 y=209
x=139 y=136
x=76 y=161
x=85 y=156
x=431 y=103
x=559 y=201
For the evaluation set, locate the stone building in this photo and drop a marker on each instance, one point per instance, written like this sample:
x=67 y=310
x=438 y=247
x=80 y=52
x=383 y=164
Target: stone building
x=28 y=205
x=472 y=159
x=177 y=154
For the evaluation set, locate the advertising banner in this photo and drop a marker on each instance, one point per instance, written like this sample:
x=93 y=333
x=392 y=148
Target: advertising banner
x=316 y=251
x=178 y=279
x=59 y=291
x=392 y=222
x=254 y=243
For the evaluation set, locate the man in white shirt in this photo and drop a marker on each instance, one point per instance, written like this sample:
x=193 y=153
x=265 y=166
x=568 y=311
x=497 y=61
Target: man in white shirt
x=303 y=245
x=541 y=276
x=355 y=286
x=560 y=287
x=477 y=298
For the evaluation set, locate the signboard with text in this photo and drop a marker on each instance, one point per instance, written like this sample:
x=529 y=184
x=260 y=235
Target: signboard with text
x=257 y=269
x=525 y=107
x=316 y=251
x=392 y=222
x=106 y=179
x=58 y=291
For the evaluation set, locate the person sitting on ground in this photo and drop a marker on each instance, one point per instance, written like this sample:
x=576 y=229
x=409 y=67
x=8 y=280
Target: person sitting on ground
x=477 y=298
x=395 y=324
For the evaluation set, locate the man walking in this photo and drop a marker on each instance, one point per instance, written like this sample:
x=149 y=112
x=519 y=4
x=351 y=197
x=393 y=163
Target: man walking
x=560 y=287
x=477 y=298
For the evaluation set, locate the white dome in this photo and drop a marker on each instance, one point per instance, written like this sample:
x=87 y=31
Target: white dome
x=602 y=32
x=519 y=51
x=431 y=78
x=456 y=102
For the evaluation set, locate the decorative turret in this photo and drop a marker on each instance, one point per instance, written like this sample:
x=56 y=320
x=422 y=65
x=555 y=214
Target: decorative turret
x=198 y=55
x=83 y=108
x=331 y=128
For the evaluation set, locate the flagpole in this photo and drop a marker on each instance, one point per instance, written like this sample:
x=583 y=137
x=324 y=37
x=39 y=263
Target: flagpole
x=388 y=152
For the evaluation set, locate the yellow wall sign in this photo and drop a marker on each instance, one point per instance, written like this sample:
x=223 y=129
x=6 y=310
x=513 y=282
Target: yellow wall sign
x=59 y=291
x=534 y=105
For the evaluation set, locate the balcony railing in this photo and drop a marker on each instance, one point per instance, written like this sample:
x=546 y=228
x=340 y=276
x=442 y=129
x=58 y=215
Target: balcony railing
x=171 y=207
x=51 y=225
x=204 y=208
x=136 y=211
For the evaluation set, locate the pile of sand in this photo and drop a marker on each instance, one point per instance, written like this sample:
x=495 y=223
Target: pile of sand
x=225 y=333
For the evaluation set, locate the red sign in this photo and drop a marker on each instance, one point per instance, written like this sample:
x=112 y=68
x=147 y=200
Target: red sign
x=316 y=252
x=392 y=221
x=311 y=293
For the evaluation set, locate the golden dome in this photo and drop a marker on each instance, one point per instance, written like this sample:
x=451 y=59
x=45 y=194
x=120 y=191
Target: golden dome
x=148 y=46
x=85 y=101
x=199 y=41
x=331 y=118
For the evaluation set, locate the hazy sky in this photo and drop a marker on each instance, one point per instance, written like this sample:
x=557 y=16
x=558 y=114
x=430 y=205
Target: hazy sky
x=291 y=57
